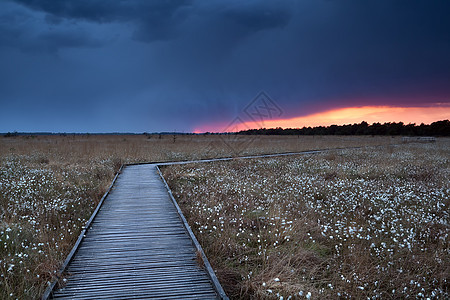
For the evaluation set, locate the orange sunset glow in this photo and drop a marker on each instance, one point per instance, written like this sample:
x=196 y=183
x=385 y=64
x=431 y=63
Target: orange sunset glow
x=349 y=115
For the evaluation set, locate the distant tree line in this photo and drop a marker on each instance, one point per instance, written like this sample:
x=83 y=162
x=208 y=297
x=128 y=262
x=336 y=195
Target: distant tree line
x=439 y=128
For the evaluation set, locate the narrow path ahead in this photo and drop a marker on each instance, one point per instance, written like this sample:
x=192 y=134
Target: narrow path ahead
x=137 y=247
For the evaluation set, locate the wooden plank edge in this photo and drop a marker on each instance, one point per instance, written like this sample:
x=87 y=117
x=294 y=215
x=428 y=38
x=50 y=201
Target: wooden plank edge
x=50 y=289
x=209 y=270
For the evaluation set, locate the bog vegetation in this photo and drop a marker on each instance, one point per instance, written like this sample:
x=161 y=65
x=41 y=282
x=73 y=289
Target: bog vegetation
x=49 y=186
x=363 y=223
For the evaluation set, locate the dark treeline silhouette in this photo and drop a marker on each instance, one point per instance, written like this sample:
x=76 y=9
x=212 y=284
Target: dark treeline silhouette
x=439 y=128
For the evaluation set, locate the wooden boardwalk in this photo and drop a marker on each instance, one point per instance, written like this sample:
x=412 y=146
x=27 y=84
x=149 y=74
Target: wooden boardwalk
x=137 y=247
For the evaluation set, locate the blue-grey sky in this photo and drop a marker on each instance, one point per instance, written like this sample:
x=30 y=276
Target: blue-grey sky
x=142 y=65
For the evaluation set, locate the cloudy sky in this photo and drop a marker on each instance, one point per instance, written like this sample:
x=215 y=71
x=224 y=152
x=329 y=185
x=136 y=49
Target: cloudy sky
x=141 y=65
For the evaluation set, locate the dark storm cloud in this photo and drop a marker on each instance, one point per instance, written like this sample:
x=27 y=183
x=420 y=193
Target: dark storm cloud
x=168 y=65
x=20 y=28
x=105 y=11
x=159 y=20
x=154 y=20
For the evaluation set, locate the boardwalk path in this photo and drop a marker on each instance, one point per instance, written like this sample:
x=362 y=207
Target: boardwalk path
x=137 y=247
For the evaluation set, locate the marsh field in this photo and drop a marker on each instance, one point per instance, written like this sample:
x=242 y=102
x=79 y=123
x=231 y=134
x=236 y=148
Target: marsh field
x=361 y=223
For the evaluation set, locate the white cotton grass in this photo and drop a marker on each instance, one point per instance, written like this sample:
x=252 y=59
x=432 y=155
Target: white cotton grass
x=380 y=209
x=43 y=209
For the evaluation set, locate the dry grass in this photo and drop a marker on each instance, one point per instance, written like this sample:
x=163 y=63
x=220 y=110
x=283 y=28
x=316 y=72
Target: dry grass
x=140 y=148
x=367 y=223
x=49 y=186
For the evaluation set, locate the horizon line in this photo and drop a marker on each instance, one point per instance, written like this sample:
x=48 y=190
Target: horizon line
x=25 y=133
